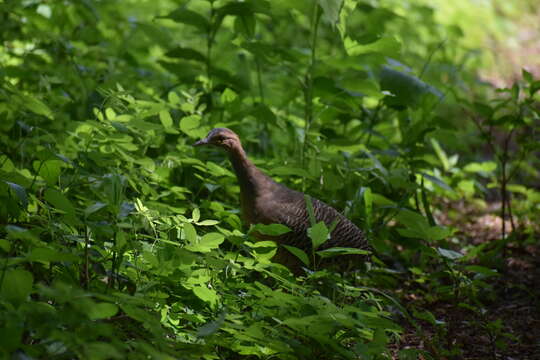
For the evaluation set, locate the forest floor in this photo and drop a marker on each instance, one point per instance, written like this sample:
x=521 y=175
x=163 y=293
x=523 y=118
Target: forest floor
x=501 y=324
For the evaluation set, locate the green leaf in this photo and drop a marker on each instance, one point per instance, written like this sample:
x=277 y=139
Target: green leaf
x=242 y=9
x=427 y=316
x=211 y=327
x=120 y=241
x=467 y=187
x=515 y=92
x=331 y=10
x=114 y=186
x=245 y=25
x=412 y=219
x=486 y=272
x=534 y=87
x=196 y=214
x=436 y=233
x=387 y=45
x=207 y=243
x=290 y=170
x=368 y=204
x=5 y=245
x=110 y=114
x=417 y=226
x=299 y=253
x=520 y=189
x=264 y=114
x=20 y=192
x=381 y=200
x=207 y=222
x=527 y=76
x=263 y=245
x=156 y=34
x=190 y=125
x=102 y=350
x=449 y=254
x=435 y=180
x=50 y=170
x=190 y=232
x=337 y=251
x=318 y=234
x=17 y=286
x=212 y=240
x=138 y=314
x=228 y=96
x=173 y=98
x=483 y=109
x=186 y=53
x=36 y=106
x=310 y=211
x=102 y=311
x=205 y=294
x=48 y=255
x=483 y=167
x=406 y=89
x=19 y=233
x=271 y=229
x=59 y=201
x=188 y=17
x=166 y=119
x=93 y=208
x=441 y=154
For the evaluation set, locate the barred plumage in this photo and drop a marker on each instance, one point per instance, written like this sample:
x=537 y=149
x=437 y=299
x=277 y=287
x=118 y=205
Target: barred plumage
x=263 y=201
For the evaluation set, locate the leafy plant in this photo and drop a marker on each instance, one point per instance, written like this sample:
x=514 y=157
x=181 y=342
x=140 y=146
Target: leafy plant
x=118 y=241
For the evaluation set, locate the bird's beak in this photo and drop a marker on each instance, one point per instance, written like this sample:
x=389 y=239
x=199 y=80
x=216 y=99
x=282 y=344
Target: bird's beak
x=201 y=142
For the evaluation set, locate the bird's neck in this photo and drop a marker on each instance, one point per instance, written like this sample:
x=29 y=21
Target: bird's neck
x=252 y=180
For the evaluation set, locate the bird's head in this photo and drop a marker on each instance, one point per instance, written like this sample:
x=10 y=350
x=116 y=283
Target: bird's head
x=222 y=137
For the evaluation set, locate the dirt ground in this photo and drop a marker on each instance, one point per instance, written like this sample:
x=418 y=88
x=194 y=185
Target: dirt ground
x=504 y=324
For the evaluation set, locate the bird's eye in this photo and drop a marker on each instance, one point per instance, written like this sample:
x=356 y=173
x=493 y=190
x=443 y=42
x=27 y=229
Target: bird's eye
x=220 y=138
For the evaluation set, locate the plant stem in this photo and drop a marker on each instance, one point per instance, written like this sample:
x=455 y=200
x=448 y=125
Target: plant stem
x=308 y=81
x=209 y=42
x=86 y=277
x=259 y=79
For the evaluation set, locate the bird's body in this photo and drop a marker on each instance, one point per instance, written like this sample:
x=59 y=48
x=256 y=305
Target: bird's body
x=263 y=201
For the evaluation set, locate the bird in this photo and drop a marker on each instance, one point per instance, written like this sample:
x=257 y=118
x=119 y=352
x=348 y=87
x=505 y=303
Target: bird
x=264 y=201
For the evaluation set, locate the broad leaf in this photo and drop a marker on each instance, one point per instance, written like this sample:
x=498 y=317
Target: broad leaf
x=190 y=126
x=16 y=286
x=166 y=119
x=331 y=10
x=46 y=255
x=20 y=192
x=337 y=251
x=102 y=311
x=271 y=229
x=299 y=253
x=483 y=167
x=186 y=53
x=406 y=89
x=37 y=106
x=59 y=201
x=207 y=243
x=449 y=254
x=318 y=234
x=190 y=232
x=212 y=326
x=205 y=294
x=188 y=17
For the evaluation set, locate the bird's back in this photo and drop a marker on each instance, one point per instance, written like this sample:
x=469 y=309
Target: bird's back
x=288 y=207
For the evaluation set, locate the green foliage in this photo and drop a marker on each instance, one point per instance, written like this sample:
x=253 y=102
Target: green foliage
x=119 y=241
